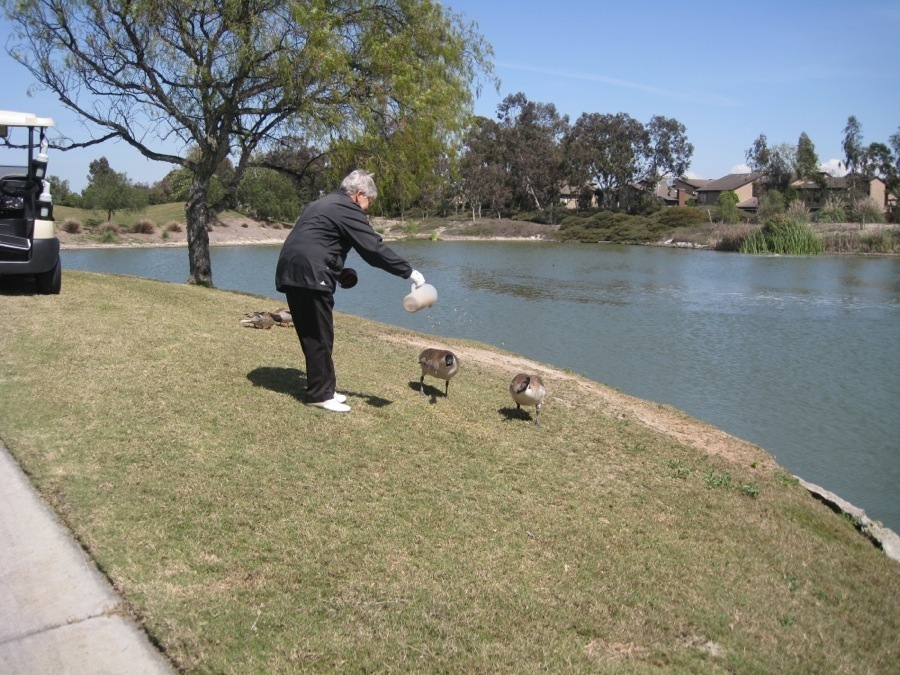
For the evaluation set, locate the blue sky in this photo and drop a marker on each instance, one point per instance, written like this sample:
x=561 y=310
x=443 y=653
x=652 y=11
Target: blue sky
x=727 y=71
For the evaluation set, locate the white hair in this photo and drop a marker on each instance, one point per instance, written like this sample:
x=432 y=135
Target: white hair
x=360 y=181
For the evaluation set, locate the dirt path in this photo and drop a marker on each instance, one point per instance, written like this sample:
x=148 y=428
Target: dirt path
x=661 y=418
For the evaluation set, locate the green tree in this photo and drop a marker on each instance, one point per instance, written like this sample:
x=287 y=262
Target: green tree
x=607 y=151
x=852 y=145
x=727 y=204
x=776 y=163
x=62 y=193
x=878 y=160
x=229 y=76
x=668 y=150
x=306 y=165
x=895 y=148
x=780 y=170
x=268 y=195
x=531 y=136
x=758 y=155
x=483 y=176
x=404 y=154
x=110 y=191
x=806 y=161
x=617 y=152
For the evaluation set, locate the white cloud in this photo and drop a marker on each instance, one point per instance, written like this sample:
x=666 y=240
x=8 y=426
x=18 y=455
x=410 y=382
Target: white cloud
x=740 y=168
x=835 y=167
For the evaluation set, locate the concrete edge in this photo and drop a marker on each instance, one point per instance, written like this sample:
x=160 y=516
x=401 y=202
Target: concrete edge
x=883 y=537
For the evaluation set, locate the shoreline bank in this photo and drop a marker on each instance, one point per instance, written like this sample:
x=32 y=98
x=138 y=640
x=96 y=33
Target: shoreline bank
x=239 y=231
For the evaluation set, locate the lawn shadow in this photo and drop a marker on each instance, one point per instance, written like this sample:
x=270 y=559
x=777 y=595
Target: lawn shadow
x=18 y=285
x=289 y=381
x=515 y=413
x=292 y=381
x=431 y=392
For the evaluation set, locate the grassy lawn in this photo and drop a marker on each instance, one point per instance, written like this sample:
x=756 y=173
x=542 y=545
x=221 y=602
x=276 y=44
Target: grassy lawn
x=160 y=214
x=249 y=533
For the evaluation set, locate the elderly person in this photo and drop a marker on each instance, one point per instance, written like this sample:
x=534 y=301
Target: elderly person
x=311 y=264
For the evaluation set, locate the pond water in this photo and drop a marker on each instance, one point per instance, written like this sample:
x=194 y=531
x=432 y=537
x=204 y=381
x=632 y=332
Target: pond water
x=795 y=354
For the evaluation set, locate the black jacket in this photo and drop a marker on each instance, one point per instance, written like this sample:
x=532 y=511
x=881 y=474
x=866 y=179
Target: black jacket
x=314 y=252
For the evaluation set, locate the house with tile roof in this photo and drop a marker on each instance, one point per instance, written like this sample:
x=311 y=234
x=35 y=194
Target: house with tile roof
x=744 y=185
x=815 y=193
x=686 y=188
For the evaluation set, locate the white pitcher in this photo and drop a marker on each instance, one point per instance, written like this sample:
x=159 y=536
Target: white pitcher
x=423 y=296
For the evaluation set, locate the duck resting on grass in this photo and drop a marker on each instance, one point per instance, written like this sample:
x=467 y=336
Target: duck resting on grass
x=265 y=320
x=439 y=363
x=527 y=389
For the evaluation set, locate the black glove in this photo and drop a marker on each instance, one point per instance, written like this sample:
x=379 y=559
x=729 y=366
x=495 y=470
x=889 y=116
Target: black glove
x=347 y=278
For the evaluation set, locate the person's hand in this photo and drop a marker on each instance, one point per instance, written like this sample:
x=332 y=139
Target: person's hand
x=417 y=278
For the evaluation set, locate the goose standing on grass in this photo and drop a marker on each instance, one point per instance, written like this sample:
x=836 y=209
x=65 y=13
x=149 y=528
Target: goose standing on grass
x=528 y=390
x=439 y=363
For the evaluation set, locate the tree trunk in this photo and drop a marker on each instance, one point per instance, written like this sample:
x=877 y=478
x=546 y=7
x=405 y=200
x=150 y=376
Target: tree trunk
x=537 y=202
x=197 y=235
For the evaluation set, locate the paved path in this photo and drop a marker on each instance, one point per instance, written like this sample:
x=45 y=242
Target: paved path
x=58 y=614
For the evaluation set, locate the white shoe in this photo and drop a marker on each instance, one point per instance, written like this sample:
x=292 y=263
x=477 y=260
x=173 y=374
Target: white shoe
x=331 y=404
x=340 y=398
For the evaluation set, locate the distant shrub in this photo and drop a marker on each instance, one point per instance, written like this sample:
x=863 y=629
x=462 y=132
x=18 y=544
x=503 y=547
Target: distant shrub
x=866 y=210
x=144 y=226
x=245 y=225
x=542 y=217
x=611 y=226
x=173 y=226
x=680 y=216
x=832 y=211
x=798 y=212
x=886 y=241
x=771 y=204
x=727 y=207
x=731 y=237
x=783 y=235
x=109 y=232
x=71 y=226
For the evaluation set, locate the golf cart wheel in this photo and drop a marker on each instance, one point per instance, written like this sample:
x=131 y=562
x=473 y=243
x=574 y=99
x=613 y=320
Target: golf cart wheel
x=49 y=282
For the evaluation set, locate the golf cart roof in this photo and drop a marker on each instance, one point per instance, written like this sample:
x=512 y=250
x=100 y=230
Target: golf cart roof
x=9 y=118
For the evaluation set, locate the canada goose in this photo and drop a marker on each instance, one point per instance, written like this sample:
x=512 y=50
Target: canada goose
x=262 y=320
x=266 y=320
x=439 y=363
x=282 y=315
x=528 y=390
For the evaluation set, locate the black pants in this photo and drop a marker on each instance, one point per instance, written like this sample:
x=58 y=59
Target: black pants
x=312 y=313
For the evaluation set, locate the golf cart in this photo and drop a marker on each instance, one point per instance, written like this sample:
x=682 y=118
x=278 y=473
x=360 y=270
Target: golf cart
x=28 y=242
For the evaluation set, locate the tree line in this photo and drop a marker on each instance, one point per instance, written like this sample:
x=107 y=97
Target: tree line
x=523 y=161
x=264 y=104
x=783 y=163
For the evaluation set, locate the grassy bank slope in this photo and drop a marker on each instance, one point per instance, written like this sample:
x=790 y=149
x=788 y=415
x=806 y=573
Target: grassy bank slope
x=253 y=534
